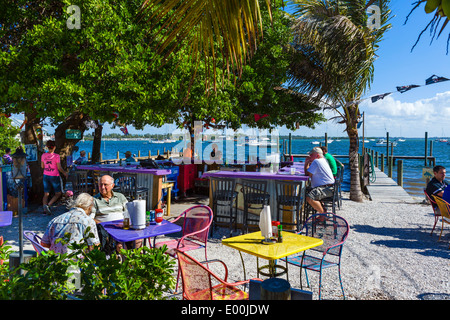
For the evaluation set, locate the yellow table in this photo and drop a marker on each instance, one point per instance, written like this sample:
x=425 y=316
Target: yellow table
x=252 y=243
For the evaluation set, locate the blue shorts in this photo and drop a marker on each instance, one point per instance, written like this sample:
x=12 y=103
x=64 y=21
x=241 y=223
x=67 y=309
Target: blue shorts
x=52 y=182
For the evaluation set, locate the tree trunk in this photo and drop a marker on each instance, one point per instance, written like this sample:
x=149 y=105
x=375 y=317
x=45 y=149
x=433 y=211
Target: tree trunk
x=97 y=144
x=29 y=136
x=64 y=147
x=355 y=183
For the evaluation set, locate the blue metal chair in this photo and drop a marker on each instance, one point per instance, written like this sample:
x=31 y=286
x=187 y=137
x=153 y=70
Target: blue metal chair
x=35 y=241
x=333 y=230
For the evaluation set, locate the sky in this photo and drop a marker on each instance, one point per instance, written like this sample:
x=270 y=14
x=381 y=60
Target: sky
x=408 y=114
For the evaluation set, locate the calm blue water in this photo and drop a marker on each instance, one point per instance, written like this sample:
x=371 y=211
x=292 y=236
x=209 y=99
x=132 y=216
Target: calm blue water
x=412 y=177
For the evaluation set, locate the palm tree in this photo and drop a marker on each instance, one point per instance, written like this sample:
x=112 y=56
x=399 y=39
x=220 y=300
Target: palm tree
x=232 y=26
x=333 y=60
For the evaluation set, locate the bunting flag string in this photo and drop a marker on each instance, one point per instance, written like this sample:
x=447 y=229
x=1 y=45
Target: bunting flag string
x=431 y=80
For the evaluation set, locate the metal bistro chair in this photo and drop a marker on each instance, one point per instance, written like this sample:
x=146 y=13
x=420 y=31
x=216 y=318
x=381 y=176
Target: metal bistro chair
x=334 y=199
x=255 y=198
x=200 y=283
x=340 y=177
x=35 y=241
x=290 y=196
x=224 y=196
x=194 y=235
x=434 y=206
x=126 y=184
x=444 y=208
x=81 y=182
x=333 y=230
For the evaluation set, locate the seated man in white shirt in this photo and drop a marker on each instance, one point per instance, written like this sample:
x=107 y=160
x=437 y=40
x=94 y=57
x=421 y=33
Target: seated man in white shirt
x=322 y=180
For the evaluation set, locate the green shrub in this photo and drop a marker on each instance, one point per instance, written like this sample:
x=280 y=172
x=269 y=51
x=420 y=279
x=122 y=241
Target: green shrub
x=141 y=274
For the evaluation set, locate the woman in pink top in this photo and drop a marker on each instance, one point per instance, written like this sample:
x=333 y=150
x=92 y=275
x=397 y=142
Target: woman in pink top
x=51 y=164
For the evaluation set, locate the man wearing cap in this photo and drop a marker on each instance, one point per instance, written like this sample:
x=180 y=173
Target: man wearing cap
x=322 y=180
x=129 y=158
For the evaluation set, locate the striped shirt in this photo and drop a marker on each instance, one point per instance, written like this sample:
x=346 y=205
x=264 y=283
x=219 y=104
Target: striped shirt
x=104 y=210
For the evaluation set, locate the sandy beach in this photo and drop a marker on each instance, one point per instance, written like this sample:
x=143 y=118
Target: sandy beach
x=389 y=254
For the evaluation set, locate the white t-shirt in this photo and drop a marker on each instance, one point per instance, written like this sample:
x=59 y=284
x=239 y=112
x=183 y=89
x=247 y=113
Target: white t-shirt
x=321 y=173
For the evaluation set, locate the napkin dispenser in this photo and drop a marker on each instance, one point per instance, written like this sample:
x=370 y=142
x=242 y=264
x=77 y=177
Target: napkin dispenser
x=136 y=210
x=265 y=223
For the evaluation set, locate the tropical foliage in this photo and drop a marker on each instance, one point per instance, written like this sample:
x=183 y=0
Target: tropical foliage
x=334 y=51
x=145 y=274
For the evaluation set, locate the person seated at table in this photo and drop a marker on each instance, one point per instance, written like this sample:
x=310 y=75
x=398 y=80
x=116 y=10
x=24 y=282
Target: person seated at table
x=129 y=158
x=330 y=159
x=322 y=180
x=438 y=183
x=74 y=222
x=82 y=159
x=110 y=205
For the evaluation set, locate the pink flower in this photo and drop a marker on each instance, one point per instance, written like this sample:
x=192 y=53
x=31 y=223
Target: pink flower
x=69 y=193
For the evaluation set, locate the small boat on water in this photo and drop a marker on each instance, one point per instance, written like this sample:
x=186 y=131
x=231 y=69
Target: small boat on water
x=315 y=142
x=441 y=140
x=383 y=142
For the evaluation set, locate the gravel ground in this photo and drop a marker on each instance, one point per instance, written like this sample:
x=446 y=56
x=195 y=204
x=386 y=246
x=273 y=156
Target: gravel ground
x=389 y=254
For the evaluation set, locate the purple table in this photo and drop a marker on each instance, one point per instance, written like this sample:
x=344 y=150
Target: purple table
x=5 y=218
x=148 y=178
x=125 y=169
x=280 y=175
x=114 y=228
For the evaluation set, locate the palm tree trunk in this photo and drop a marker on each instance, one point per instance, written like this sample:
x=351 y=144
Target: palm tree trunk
x=355 y=184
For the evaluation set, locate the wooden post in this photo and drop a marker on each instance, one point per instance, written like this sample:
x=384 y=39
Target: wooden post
x=290 y=145
x=326 y=139
x=376 y=159
x=431 y=152
x=390 y=161
x=275 y=289
x=400 y=173
x=387 y=148
x=382 y=162
x=426 y=145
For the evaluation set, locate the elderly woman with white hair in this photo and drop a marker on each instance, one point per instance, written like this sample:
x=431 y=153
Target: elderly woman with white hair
x=75 y=222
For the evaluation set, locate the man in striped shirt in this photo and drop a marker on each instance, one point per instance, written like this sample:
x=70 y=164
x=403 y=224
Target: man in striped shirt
x=110 y=206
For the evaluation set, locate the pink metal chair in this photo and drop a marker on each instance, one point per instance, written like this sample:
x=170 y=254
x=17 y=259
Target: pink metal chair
x=200 y=283
x=435 y=207
x=197 y=221
x=35 y=241
x=196 y=224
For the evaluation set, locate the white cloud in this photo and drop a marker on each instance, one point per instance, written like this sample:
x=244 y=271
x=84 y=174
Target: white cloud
x=409 y=119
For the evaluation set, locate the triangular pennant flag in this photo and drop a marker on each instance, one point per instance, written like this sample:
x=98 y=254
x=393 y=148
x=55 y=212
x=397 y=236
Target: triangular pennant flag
x=406 y=88
x=260 y=116
x=124 y=130
x=379 y=97
x=358 y=125
x=435 y=79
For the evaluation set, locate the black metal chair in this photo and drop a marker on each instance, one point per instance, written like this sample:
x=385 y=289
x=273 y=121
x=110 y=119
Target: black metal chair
x=290 y=197
x=81 y=182
x=126 y=183
x=340 y=177
x=255 y=198
x=224 y=196
x=332 y=201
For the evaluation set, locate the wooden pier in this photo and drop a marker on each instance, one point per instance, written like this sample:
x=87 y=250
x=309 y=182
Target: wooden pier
x=386 y=189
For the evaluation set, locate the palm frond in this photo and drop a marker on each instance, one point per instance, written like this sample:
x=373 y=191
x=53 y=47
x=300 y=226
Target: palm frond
x=233 y=26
